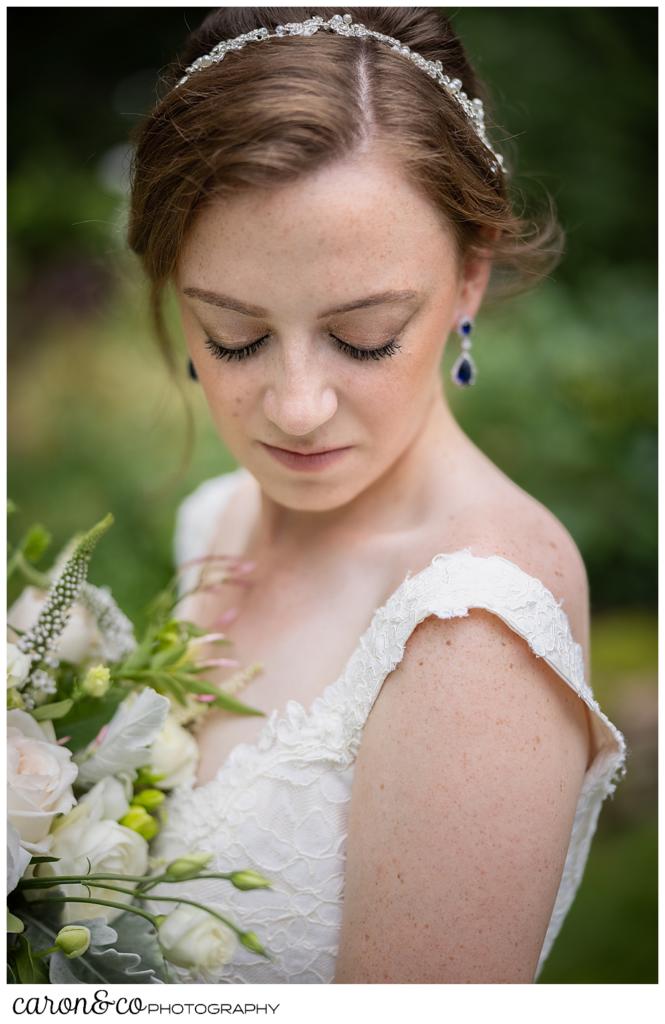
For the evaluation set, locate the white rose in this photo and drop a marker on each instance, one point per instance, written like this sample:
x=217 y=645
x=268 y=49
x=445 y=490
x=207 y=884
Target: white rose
x=17 y=858
x=18 y=666
x=81 y=638
x=175 y=753
x=108 y=847
x=191 y=937
x=40 y=774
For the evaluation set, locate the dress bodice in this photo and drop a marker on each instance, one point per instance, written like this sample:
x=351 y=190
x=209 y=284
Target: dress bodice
x=280 y=805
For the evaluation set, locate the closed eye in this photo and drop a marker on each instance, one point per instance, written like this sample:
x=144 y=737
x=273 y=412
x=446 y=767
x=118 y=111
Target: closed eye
x=223 y=352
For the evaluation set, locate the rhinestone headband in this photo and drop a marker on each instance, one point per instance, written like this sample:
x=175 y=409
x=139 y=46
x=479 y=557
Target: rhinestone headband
x=344 y=25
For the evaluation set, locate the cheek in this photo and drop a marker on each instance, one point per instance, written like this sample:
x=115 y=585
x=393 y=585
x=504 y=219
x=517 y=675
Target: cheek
x=230 y=405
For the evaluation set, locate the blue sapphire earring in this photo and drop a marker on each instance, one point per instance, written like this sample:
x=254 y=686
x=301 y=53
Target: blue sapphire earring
x=192 y=371
x=464 y=371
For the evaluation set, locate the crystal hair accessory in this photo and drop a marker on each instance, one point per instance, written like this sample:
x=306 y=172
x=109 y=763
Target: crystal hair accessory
x=344 y=25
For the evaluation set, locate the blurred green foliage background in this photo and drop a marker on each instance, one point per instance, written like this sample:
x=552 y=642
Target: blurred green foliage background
x=566 y=397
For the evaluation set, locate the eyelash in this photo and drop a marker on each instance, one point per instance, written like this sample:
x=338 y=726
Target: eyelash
x=221 y=352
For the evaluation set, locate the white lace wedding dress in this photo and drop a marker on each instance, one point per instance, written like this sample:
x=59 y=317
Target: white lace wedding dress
x=280 y=805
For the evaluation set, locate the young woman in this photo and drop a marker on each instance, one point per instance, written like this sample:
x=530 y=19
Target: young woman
x=328 y=209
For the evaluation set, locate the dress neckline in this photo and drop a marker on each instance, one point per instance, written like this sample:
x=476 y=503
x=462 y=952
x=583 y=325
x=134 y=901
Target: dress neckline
x=297 y=716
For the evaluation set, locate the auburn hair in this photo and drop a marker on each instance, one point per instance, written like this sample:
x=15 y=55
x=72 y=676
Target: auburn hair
x=279 y=109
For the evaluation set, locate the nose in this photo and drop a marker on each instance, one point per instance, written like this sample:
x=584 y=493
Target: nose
x=300 y=400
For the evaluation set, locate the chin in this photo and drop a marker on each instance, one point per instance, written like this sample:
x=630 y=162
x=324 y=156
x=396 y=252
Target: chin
x=309 y=494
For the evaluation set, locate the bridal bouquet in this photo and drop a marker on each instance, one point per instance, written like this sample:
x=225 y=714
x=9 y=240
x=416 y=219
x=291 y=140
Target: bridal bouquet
x=96 y=737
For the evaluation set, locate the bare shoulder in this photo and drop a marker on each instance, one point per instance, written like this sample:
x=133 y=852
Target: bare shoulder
x=466 y=786
x=526 y=532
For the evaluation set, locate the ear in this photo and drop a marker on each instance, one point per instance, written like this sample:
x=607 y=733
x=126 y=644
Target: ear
x=474 y=279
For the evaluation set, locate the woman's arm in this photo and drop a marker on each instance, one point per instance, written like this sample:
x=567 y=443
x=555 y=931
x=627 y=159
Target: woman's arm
x=464 y=795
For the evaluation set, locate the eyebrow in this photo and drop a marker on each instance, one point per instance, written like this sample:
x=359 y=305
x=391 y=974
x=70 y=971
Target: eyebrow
x=227 y=302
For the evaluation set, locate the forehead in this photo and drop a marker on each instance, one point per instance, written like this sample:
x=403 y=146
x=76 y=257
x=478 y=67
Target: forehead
x=359 y=222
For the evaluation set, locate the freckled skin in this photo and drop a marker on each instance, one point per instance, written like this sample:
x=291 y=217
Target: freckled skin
x=343 y=233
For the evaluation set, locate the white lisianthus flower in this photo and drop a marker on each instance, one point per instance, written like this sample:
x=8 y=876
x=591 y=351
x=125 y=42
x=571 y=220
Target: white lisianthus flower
x=80 y=639
x=123 y=744
x=175 y=754
x=191 y=937
x=17 y=858
x=18 y=666
x=108 y=847
x=40 y=774
x=106 y=801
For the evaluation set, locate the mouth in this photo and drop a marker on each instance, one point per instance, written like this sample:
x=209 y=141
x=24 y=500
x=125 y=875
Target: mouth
x=308 y=451
x=311 y=460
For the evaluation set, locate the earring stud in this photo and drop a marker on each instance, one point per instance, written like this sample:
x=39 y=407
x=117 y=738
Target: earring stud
x=464 y=371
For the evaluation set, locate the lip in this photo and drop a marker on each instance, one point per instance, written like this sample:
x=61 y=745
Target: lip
x=308 y=462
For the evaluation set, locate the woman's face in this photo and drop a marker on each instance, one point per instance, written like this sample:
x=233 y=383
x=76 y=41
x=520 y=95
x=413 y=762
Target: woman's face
x=349 y=256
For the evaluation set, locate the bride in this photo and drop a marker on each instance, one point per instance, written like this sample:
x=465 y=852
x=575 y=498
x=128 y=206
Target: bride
x=426 y=785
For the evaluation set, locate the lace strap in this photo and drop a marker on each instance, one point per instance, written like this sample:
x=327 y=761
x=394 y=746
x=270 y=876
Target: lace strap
x=449 y=587
x=196 y=520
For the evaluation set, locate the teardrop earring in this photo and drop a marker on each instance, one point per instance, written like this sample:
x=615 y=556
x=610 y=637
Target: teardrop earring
x=192 y=370
x=464 y=371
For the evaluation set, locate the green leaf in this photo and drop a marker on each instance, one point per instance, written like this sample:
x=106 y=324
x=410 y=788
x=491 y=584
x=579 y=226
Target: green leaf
x=35 y=542
x=51 y=711
x=169 y=682
x=138 y=659
x=225 y=700
x=168 y=656
x=30 y=969
x=222 y=700
x=87 y=716
x=125 y=952
x=14 y=923
x=193 y=629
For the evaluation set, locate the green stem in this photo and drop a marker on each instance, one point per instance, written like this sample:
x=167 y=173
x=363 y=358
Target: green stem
x=12 y=563
x=18 y=561
x=173 y=899
x=45 y=952
x=101 y=903
x=51 y=880
x=132 y=892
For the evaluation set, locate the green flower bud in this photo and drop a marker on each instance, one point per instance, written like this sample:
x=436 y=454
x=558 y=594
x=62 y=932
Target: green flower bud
x=249 y=880
x=251 y=941
x=188 y=866
x=138 y=819
x=169 y=634
x=97 y=681
x=145 y=776
x=73 y=940
x=148 y=798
